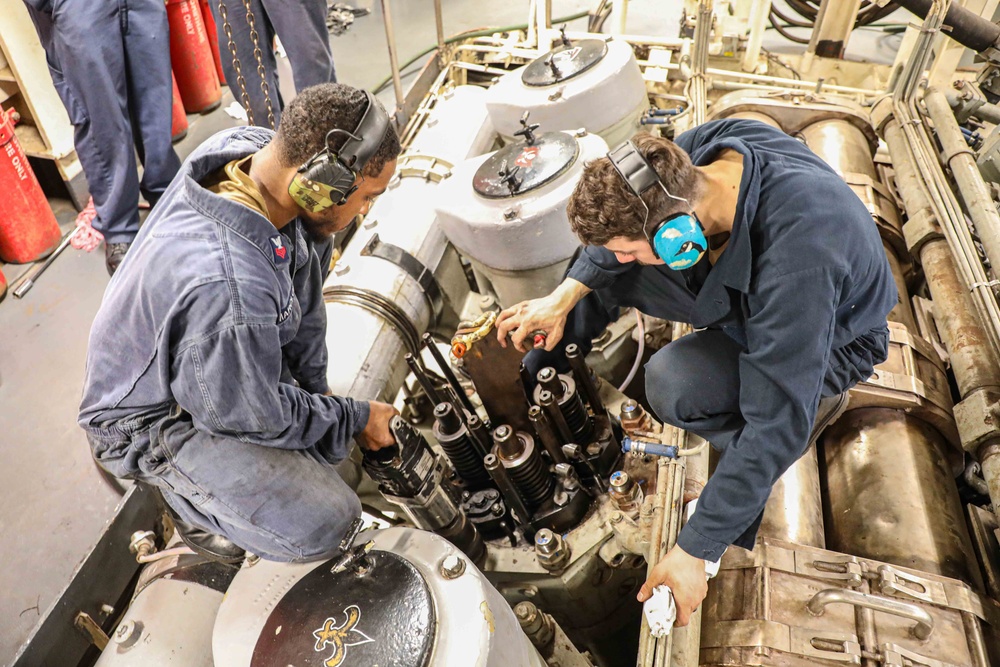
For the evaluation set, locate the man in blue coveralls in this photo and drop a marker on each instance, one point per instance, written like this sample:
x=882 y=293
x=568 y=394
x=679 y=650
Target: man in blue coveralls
x=206 y=372
x=743 y=232
x=110 y=63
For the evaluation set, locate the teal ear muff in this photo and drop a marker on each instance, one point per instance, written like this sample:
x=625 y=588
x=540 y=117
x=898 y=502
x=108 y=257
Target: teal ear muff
x=327 y=178
x=679 y=241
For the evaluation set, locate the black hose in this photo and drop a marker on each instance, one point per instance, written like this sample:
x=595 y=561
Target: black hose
x=967 y=28
x=784 y=33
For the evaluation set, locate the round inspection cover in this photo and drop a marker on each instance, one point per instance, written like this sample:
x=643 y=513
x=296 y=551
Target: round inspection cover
x=385 y=617
x=564 y=62
x=533 y=166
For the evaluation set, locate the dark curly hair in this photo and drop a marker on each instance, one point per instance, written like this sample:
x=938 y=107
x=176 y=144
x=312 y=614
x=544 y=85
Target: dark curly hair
x=319 y=109
x=602 y=207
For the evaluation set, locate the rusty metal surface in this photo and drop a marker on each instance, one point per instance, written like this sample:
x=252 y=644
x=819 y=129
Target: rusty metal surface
x=494 y=372
x=889 y=495
x=757 y=611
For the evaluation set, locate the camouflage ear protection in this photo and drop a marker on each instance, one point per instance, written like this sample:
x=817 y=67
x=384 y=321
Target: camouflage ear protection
x=679 y=239
x=327 y=178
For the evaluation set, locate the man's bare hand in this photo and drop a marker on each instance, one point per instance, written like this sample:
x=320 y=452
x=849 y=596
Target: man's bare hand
x=685 y=575
x=545 y=315
x=376 y=433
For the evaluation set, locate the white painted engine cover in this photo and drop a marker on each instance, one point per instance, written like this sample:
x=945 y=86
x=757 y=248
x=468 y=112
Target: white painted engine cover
x=607 y=99
x=475 y=625
x=536 y=235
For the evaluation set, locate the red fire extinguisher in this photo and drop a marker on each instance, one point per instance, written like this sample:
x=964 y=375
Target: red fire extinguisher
x=213 y=38
x=28 y=229
x=191 y=57
x=178 y=119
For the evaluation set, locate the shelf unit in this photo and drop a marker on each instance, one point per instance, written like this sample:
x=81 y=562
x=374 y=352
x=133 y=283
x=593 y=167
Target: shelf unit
x=44 y=130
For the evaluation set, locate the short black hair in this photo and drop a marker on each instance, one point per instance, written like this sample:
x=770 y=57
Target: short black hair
x=319 y=109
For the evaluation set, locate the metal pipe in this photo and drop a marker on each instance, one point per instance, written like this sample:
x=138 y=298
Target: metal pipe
x=425 y=382
x=962 y=161
x=834 y=24
x=551 y=406
x=924 y=622
x=390 y=38
x=439 y=25
x=972 y=357
x=758 y=23
x=545 y=433
x=974 y=638
x=583 y=377
x=26 y=283
x=506 y=485
x=986 y=111
x=449 y=375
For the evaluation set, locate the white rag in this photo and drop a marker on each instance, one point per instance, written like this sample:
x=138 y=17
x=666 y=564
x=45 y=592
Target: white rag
x=660 y=611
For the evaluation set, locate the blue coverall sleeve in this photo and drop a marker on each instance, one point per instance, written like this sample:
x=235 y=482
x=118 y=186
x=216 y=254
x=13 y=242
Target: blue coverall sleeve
x=789 y=335
x=597 y=267
x=306 y=353
x=229 y=382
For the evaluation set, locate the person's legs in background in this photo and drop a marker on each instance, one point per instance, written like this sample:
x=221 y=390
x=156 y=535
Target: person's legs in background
x=301 y=27
x=236 y=12
x=147 y=59
x=84 y=45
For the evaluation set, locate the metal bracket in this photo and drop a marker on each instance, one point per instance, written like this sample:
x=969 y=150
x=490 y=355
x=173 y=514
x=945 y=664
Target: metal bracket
x=412 y=266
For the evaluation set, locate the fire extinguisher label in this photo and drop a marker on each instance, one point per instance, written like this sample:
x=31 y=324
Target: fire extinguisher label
x=15 y=161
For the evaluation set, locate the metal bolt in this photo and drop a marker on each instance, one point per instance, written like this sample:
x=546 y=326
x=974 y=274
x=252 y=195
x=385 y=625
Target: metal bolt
x=524 y=611
x=128 y=633
x=617 y=517
x=143 y=543
x=497 y=509
x=544 y=537
x=510 y=214
x=452 y=567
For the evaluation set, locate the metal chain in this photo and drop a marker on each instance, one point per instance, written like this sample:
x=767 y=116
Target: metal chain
x=264 y=88
x=236 y=61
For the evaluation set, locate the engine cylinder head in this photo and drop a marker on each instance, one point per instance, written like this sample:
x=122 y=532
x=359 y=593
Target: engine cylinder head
x=520 y=457
x=458 y=445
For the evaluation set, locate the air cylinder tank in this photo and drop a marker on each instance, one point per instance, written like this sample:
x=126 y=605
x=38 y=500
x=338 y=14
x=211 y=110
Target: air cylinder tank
x=593 y=84
x=418 y=601
x=506 y=212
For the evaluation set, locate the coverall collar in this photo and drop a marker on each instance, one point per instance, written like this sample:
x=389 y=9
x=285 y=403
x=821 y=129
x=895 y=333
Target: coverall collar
x=213 y=155
x=734 y=267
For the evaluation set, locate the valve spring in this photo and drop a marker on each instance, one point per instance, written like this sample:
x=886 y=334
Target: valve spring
x=579 y=421
x=533 y=479
x=461 y=451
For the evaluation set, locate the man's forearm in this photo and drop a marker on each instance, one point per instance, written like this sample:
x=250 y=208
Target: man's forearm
x=569 y=293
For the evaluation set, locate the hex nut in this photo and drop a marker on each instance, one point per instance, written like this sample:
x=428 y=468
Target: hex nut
x=452 y=567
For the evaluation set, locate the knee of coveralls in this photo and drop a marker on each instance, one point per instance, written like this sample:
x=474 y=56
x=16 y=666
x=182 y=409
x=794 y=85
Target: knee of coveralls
x=283 y=505
x=693 y=383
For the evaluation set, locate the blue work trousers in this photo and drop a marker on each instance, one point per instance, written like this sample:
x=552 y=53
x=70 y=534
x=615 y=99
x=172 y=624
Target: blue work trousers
x=285 y=505
x=110 y=63
x=301 y=27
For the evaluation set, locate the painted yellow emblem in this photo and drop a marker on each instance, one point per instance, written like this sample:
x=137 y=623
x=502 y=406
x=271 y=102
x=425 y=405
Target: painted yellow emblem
x=488 y=615
x=340 y=637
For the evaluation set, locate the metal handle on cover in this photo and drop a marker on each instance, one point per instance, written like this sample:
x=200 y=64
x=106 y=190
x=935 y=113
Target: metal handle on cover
x=924 y=622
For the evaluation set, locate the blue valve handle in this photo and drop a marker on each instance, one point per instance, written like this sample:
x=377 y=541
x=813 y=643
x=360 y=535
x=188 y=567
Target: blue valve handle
x=652 y=448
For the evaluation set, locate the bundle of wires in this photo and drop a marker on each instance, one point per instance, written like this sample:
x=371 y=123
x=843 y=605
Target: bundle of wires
x=808 y=10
